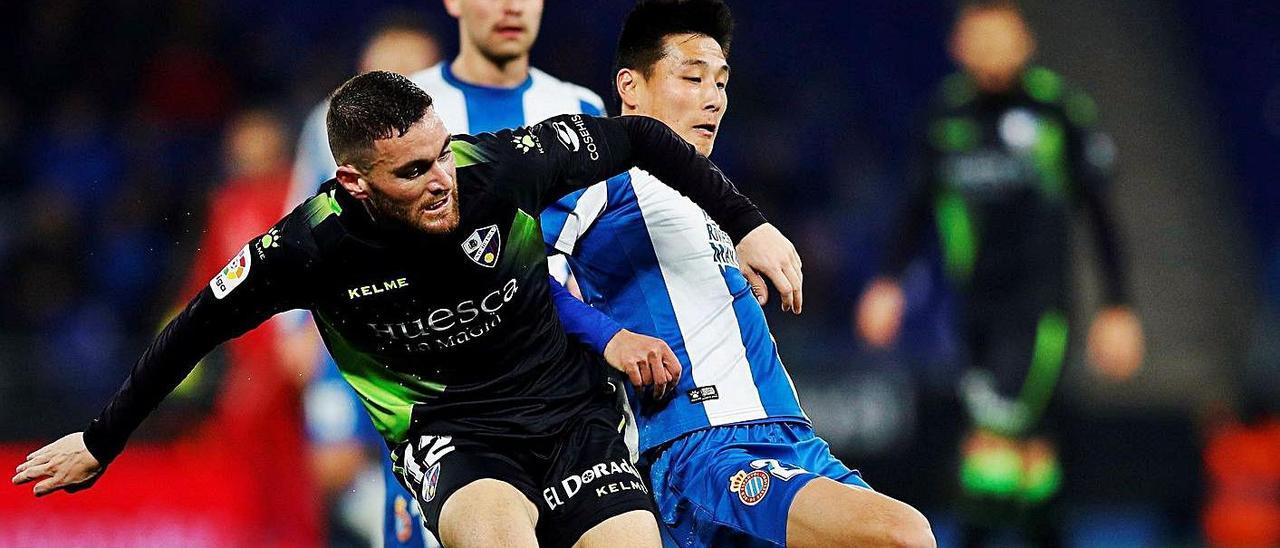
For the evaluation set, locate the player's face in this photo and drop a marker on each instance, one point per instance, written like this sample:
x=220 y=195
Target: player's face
x=501 y=29
x=686 y=89
x=412 y=178
x=400 y=51
x=993 y=46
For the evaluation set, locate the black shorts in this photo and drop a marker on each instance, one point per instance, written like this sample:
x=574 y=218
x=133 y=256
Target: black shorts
x=1017 y=349
x=577 y=479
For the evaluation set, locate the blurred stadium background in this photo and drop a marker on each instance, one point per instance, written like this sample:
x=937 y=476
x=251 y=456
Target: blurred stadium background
x=120 y=118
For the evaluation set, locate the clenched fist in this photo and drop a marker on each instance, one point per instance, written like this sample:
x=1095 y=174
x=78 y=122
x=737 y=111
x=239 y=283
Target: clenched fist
x=644 y=360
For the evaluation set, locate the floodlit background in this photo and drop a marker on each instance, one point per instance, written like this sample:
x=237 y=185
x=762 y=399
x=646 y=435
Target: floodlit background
x=119 y=119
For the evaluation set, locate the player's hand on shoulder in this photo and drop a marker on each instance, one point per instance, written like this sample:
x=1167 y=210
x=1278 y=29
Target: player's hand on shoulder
x=645 y=360
x=766 y=253
x=66 y=464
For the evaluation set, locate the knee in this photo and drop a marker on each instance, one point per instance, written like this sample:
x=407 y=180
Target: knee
x=906 y=527
x=487 y=513
x=483 y=533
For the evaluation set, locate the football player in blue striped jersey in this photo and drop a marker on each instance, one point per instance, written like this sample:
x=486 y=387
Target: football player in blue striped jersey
x=734 y=460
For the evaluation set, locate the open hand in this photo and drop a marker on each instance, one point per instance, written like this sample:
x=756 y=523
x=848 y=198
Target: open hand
x=765 y=252
x=66 y=463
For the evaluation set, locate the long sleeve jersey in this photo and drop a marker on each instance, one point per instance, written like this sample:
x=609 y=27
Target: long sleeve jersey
x=446 y=334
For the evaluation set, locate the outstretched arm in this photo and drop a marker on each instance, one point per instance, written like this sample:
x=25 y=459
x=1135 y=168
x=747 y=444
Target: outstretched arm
x=565 y=153
x=581 y=150
x=1115 y=343
x=259 y=281
x=878 y=314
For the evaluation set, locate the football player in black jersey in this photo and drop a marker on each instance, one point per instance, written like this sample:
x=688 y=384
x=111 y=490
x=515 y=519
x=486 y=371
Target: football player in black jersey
x=423 y=265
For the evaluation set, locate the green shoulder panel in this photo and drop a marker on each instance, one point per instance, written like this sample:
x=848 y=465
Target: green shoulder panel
x=322 y=206
x=955 y=133
x=1047 y=86
x=467 y=154
x=1081 y=109
x=1042 y=84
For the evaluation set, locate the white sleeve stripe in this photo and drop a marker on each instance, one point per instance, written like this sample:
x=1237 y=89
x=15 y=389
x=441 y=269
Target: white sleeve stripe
x=558 y=266
x=589 y=207
x=589 y=96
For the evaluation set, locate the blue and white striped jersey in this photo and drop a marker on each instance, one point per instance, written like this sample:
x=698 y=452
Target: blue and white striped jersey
x=468 y=108
x=464 y=108
x=657 y=264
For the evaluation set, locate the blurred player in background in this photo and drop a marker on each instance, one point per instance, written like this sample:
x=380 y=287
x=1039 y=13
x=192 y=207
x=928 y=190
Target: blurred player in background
x=347 y=455
x=1010 y=152
x=490 y=85
x=257 y=422
x=734 y=459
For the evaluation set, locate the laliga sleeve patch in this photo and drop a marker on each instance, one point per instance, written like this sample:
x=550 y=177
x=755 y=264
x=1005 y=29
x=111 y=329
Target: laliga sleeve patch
x=234 y=273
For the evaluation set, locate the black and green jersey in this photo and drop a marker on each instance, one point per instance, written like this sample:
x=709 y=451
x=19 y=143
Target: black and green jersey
x=441 y=334
x=999 y=176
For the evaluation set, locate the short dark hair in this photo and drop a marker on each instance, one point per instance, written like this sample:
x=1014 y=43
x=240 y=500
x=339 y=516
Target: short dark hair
x=398 y=20
x=972 y=6
x=372 y=106
x=640 y=47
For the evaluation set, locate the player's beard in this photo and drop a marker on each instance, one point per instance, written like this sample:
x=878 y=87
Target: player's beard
x=411 y=215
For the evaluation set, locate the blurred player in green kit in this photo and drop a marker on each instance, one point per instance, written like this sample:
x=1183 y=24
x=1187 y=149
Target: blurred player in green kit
x=1010 y=152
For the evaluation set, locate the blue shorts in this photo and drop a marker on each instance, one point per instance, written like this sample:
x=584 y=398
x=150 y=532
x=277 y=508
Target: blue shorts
x=733 y=485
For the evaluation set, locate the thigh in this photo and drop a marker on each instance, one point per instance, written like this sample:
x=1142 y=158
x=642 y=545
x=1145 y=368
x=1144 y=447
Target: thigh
x=827 y=513
x=488 y=512
x=634 y=528
x=436 y=469
x=590 y=480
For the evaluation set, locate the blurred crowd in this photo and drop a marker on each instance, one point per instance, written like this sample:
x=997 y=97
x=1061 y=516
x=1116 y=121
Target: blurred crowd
x=129 y=128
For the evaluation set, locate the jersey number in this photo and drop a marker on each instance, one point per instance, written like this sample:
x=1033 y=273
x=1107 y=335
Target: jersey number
x=415 y=470
x=777 y=469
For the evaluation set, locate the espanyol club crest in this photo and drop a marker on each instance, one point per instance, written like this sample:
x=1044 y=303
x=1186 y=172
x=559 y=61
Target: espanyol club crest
x=484 y=245
x=429 y=483
x=751 y=487
x=404 y=522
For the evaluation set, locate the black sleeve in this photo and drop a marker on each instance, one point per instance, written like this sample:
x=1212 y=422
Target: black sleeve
x=1090 y=158
x=264 y=278
x=917 y=216
x=569 y=152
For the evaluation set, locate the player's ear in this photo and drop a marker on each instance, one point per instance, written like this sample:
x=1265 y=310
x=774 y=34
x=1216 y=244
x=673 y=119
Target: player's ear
x=629 y=84
x=454 y=7
x=353 y=182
